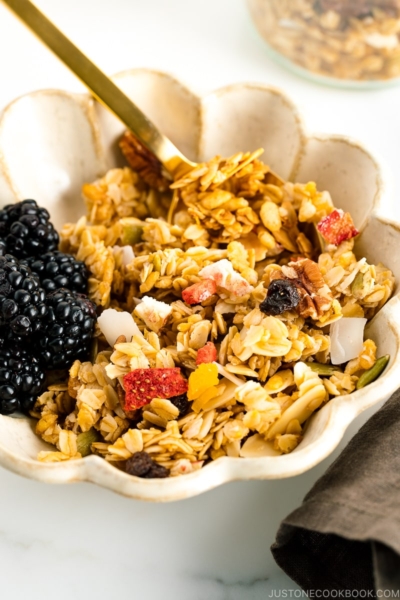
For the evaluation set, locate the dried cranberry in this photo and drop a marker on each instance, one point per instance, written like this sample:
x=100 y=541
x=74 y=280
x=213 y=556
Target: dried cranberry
x=282 y=295
x=142 y=465
x=182 y=404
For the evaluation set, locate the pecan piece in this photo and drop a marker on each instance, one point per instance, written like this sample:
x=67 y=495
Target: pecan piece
x=315 y=295
x=144 y=162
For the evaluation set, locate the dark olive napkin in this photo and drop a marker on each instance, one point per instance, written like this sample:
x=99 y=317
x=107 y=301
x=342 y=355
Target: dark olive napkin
x=346 y=534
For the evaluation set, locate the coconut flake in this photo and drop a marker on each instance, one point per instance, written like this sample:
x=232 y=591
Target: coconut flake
x=114 y=323
x=127 y=254
x=347 y=338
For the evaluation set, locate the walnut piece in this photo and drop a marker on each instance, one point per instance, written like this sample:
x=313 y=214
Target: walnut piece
x=144 y=162
x=315 y=295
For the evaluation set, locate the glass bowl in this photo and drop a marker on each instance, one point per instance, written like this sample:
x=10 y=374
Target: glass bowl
x=350 y=43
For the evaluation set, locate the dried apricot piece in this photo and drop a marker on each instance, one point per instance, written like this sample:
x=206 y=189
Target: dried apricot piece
x=204 y=377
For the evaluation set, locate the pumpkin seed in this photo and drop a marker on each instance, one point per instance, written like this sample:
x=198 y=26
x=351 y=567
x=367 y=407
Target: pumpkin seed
x=132 y=231
x=325 y=370
x=357 y=285
x=85 y=440
x=374 y=372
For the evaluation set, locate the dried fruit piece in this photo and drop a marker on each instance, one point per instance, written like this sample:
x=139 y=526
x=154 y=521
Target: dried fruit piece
x=206 y=354
x=282 y=295
x=199 y=292
x=225 y=276
x=203 y=378
x=374 y=372
x=153 y=312
x=315 y=295
x=337 y=227
x=142 y=465
x=142 y=385
x=182 y=404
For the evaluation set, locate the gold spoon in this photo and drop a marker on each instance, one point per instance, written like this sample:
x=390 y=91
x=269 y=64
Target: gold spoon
x=102 y=88
x=113 y=98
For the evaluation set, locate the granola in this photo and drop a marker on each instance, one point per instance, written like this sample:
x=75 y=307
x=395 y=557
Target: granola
x=215 y=309
x=345 y=39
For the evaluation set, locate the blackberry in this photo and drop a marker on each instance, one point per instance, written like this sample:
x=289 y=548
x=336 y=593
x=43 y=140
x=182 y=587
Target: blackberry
x=26 y=230
x=58 y=270
x=21 y=381
x=9 y=340
x=67 y=332
x=22 y=306
x=282 y=295
x=142 y=465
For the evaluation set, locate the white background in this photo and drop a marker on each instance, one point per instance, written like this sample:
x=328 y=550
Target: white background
x=84 y=542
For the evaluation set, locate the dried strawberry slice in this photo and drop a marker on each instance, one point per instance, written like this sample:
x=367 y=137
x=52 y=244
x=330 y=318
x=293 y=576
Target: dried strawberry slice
x=198 y=292
x=142 y=385
x=206 y=354
x=337 y=227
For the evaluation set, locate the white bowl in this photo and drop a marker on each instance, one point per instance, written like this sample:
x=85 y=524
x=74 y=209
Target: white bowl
x=51 y=142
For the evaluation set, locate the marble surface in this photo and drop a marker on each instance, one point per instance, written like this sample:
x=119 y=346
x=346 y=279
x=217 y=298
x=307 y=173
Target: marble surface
x=81 y=541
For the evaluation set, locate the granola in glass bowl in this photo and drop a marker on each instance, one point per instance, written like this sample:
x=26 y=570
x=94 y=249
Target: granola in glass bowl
x=344 y=40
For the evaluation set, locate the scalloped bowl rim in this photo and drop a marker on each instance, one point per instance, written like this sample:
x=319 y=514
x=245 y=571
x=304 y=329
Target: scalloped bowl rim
x=338 y=413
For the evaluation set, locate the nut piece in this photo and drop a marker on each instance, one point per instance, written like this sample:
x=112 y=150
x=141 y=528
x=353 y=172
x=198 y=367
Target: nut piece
x=315 y=295
x=144 y=162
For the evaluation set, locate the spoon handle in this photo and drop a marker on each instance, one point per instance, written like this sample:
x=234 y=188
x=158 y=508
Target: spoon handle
x=99 y=84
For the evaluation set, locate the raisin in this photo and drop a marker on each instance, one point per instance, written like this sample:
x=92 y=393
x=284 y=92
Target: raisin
x=182 y=404
x=282 y=295
x=142 y=465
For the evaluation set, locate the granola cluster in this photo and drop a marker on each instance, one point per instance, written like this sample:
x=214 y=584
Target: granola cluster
x=346 y=39
x=216 y=298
